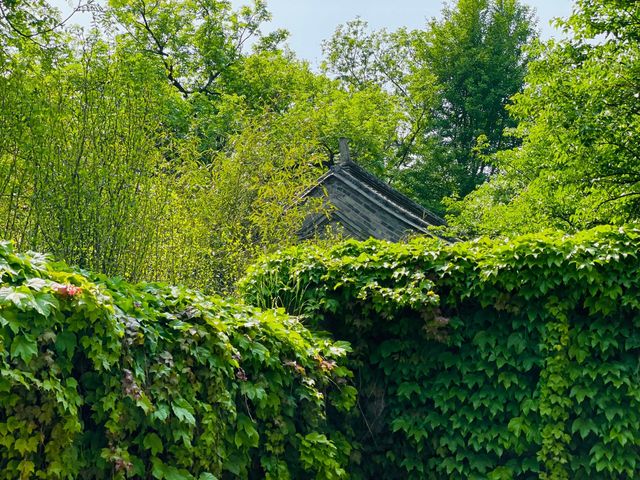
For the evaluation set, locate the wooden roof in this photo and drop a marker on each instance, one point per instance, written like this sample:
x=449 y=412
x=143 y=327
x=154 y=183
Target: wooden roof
x=365 y=206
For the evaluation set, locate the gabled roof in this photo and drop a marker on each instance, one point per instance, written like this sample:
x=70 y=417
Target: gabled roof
x=374 y=209
x=384 y=189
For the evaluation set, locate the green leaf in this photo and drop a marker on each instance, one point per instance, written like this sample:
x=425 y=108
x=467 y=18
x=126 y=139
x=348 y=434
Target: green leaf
x=207 y=476
x=172 y=473
x=10 y=318
x=24 y=346
x=153 y=442
x=36 y=283
x=234 y=464
x=26 y=467
x=501 y=473
x=516 y=342
x=19 y=299
x=584 y=426
x=157 y=468
x=246 y=433
x=407 y=388
x=184 y=411
x=161 y=413
x=44 y=303
x=517 y=425
x=66 y=341
x=162 y=471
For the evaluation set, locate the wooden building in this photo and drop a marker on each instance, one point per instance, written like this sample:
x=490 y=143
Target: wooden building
x=363 y=206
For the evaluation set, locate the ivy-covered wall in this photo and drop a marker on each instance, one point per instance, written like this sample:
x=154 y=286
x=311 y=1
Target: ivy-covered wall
x=100 y=379
x=491 y=359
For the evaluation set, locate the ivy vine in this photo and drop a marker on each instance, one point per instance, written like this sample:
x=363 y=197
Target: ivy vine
x=103 y=379
x=499 y=359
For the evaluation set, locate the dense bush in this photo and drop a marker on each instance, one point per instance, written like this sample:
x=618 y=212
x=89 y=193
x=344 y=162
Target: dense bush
x=504 y=359
x=102 y=379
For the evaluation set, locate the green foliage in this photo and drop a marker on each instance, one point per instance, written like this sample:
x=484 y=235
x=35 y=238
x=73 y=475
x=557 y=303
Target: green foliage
x=451 y=81
x=103 y=379
x=196 y=42
x=81 y=167
x=131 y=163
x=477 y=53
x=26 y=22
x=487 y=359
x=579 y=125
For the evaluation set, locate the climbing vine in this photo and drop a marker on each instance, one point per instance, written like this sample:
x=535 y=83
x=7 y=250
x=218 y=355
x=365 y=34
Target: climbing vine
x=488 y=359
x=495 y=359
x=555 y=402
x=103 y=379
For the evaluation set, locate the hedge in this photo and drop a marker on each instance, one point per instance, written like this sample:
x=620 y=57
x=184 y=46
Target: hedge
x=102 y=379
x=488 y=359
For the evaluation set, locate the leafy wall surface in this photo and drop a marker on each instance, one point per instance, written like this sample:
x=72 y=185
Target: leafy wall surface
x=102 y=379
x=489 y=359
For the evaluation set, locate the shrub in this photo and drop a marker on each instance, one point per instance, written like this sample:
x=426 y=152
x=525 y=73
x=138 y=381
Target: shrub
x=103 y=379
x=486 y=359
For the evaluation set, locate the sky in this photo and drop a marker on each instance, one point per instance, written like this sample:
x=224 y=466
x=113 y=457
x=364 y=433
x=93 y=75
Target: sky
x=312 y=21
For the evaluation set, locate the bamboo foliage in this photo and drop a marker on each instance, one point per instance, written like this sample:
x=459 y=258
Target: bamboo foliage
x=82 y=171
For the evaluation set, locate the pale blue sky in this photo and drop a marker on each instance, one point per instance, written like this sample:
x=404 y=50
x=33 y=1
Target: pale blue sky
x=311 y=21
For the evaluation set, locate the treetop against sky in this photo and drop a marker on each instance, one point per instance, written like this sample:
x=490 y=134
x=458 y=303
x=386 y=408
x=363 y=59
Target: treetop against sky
x=310 y=21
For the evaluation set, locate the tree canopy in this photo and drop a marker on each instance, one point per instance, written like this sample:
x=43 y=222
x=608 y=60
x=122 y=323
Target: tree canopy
x=579 y=127
x=453 y=81
x=172 y=139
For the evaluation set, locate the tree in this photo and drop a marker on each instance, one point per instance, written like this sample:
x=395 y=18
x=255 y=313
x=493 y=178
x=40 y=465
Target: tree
x=580 y=127
x=452 y=81
x=196 y=41
x=477 y=55
x=33 y=21
x=81 y=166
x=197 y=44
x=362 y=60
